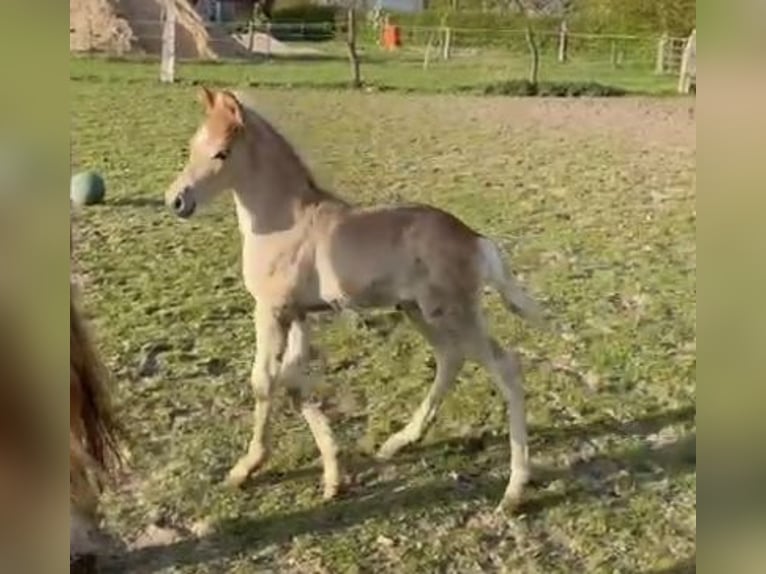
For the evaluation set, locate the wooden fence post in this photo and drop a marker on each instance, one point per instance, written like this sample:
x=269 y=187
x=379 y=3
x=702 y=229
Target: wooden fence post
x=688 y=74
x=563 y=41
x=168 y=63
x=662 y=46
x=250 y=34
x=429 y=45
x=615 y=55
x=447 y=45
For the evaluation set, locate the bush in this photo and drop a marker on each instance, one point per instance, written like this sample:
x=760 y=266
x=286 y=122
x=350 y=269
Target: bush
x=551 y=89
x=306 y=13
x=305 y=22
x=488 y=21
x=647 y=17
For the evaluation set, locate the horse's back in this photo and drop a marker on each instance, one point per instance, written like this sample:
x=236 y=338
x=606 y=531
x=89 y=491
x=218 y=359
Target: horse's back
x=384 y=255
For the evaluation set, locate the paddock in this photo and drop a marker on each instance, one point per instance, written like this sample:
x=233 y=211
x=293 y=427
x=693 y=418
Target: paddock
x=593 y=202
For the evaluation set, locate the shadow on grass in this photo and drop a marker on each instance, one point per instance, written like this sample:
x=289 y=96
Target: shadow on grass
x=538 y=437
x=332 y=57
x=686 y=566
x=646 y=425
x=595 y=478
x=136 y=202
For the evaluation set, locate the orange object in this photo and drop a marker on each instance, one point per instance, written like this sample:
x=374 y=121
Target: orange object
x=391 y=37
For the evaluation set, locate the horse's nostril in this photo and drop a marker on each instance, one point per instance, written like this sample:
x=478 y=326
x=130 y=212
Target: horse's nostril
x=182 y=205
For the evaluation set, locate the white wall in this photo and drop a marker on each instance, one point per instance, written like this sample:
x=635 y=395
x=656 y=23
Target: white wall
x=400 y=5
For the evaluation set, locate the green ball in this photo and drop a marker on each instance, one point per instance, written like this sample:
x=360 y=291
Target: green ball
x=87 y=188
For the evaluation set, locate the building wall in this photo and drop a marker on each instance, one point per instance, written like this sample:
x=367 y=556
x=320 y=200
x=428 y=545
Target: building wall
x=401 y=5
x=230 y=10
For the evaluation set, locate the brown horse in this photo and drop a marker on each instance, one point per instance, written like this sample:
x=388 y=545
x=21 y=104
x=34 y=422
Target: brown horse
x=305 y=250
x=93 y=434
x=29 y=447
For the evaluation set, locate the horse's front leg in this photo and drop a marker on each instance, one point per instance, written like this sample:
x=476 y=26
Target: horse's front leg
x=271 y=336
x=299 y=385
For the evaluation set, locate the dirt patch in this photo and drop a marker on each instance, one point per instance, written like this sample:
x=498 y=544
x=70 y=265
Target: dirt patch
x=266 y=44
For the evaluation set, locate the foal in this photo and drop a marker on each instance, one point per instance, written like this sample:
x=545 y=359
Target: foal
x=306 y=250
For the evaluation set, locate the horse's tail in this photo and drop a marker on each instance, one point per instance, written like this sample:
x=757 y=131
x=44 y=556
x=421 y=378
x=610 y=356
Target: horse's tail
x=496 y=274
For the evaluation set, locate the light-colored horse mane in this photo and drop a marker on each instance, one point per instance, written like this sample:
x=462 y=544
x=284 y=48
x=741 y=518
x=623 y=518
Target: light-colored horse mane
x=280 y=148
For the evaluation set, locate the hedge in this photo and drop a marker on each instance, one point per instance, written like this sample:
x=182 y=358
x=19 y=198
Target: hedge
x=305 y=22
x=474 y=20
x=306 y=13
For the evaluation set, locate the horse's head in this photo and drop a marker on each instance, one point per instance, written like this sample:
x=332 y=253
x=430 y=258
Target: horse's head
x=213 y=149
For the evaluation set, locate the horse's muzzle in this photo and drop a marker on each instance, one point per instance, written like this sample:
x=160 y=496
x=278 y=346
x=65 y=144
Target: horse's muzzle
x=183 y=205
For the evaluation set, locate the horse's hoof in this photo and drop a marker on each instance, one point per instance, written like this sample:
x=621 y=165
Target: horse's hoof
x=513 y=496
x=508 y=505
x=389 y=449
x=383 y=455
x=236 y=478
x=330 y=492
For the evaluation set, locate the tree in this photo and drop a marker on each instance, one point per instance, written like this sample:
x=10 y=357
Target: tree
x=265 y=7
x=534 y=52
x=353 y=56
x=676 y=17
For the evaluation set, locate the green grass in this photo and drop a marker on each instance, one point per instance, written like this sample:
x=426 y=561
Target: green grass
x=594 y=203
x=402 y=70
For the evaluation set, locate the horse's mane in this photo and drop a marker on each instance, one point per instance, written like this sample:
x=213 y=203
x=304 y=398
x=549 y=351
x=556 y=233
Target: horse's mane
x=93 y=427
x=286 y=148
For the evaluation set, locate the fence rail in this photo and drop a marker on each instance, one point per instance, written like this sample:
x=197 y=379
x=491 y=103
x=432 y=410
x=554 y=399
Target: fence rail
x=662 y=54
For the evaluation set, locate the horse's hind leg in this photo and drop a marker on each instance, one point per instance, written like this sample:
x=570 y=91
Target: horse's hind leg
x=271 y=338
x=505 y=368
x=299 y=386
x=449 y=361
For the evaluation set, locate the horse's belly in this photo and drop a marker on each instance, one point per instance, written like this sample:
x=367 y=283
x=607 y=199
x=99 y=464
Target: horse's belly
x=362 y=287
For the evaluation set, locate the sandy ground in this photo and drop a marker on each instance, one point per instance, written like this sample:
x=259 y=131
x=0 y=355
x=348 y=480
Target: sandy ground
x=134 y=26
x=265 y=44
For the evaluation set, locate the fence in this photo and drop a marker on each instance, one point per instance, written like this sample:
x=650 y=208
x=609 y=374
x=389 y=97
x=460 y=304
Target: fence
x=563 y=53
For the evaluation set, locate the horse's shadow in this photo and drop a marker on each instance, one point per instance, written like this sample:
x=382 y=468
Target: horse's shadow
x=685 y=566
x=387 y=498
x=136 y=202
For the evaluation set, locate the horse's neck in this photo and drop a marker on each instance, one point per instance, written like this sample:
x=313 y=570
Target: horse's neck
x=263 y=210
x=277 y=191
x=272 y=184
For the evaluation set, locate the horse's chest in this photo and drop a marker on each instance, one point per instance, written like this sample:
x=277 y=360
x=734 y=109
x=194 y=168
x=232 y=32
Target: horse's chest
x=276 y=271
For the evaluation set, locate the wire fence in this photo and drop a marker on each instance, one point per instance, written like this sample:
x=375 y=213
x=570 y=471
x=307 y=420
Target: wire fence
x=423 y=46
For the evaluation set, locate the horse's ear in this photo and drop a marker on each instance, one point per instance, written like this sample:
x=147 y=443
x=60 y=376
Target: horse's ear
x=206 y=98
x=232 y=105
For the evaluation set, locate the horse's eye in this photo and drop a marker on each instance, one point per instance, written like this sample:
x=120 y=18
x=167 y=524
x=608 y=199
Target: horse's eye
x=222 y=155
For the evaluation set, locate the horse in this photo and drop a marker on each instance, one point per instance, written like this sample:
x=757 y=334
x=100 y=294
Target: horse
x=29 y=463
x=30 y=450
x=94 y=434
x=305 y=250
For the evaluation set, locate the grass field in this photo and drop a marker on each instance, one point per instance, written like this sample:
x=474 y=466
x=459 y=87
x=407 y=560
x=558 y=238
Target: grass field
x=403 y=70
x=594 y=203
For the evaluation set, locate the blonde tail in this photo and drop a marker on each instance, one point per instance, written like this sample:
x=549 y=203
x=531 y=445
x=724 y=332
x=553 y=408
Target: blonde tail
x=497 y=275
